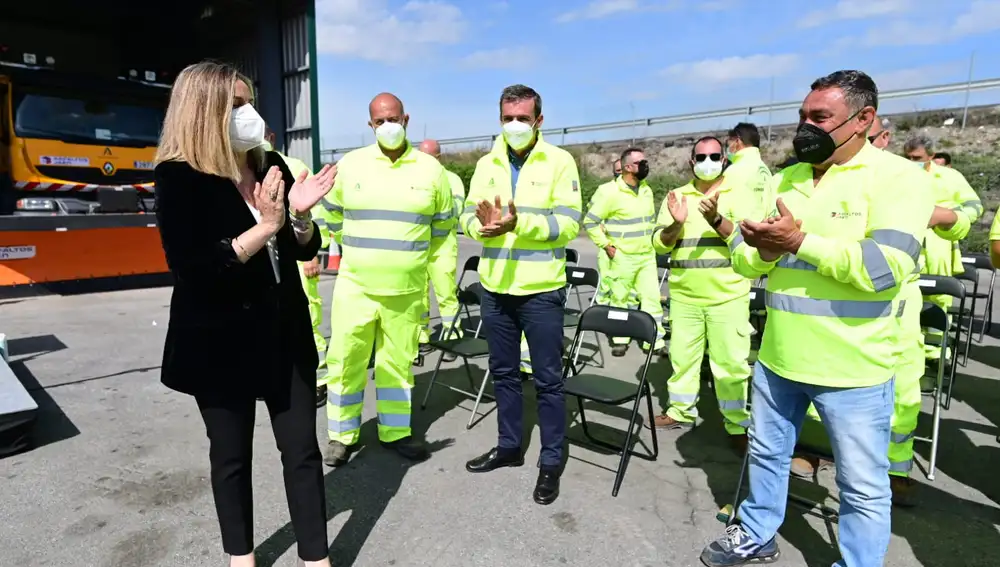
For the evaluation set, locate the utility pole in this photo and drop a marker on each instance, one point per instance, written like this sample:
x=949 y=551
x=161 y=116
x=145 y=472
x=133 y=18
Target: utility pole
x=769 y=111
x=968 y=89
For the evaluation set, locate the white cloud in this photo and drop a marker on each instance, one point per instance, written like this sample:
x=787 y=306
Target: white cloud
x=854 y=10
x=599 y=9
x=714 y=72
x=369 y=29
x=982 y=16
x=499 y=6
x=913 y=77
x=503 y=58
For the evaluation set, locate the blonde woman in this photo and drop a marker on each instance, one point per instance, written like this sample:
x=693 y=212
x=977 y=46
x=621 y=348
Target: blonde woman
x=233 y=222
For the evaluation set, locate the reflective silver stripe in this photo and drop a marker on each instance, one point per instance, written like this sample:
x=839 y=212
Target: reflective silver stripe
x=532 y=210
x=899 y=240
x=344 y=426
x=901 y=467
x=567 y=212
x=524 y=255
x=393 y=394
x=633 y=234
x=978 y=205
x=386 y=215
x=344 y=400
x=876 y=266
x=728 y=405
x=700 y=242
x=845 y=308
x=526 y=355
x=694 y=264
x=592 y=217
x=632 y=220
x=394 y=419
x=332 y=207
x=683 y=398
x=441 y=216
x=735 y=242
x=320 y=223
x=469 y=209
x=553 y=227
x=386 y=244
x=899 y=438
x=336 y=226
x=791 y=262
x=439 y=232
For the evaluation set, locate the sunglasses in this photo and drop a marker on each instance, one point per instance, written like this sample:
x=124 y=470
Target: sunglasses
x=871 y=139
x=701 y=157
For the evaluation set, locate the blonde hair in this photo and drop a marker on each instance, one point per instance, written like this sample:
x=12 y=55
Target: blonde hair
x=196 y=126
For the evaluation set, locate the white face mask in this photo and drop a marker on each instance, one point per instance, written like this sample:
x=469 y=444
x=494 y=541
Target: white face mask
x=246 y=129
x=707 y=170
x=518 y=135
x=390 y=135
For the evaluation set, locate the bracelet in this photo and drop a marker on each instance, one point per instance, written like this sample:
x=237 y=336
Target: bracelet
x=245 y=256
x=300 y=224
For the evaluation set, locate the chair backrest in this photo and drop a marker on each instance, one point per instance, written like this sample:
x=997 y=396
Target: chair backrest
x=933 y=317
x=615 y=322
x=581 y=276
x=572 y=256
x=663 y=261
x=471 y=265
x=978 y=261
x=472 y=294
x=758 y=299
x=969 y=274
x=941 y=285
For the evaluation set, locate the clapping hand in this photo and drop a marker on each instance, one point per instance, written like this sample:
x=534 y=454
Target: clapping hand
x=269 y=199
x=774 y=236
x=498 y=225
x=709 y=208
x=678 y=208
x=307 y=191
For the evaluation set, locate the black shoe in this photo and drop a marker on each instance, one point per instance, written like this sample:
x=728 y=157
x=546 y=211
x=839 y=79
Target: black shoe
x=449 y=357
x=547 y=486
x=321 y=396
x=337 y=453
x=409 y=448
x=494 y=460
x=619 y=351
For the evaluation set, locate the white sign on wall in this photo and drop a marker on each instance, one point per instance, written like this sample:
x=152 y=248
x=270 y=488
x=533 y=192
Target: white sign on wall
x=17 y=252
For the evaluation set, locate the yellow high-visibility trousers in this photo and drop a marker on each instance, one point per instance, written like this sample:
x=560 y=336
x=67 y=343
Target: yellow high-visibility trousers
x=311 y=288
x=727 y=329
x=627 y=274
x=441 y=272
x=392 y=323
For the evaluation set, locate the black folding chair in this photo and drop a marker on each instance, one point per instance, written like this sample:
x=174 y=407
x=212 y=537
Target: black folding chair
x=933 y=317
x=981 y=263
x=758 y=318
x=663 y=264
x=945 y=285
x=572 y=256
x=472 y=324
x=969 y=276
x=469 y=347
x=614 y=322
x=578 y=277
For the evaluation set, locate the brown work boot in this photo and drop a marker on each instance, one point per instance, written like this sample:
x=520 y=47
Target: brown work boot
x=739 y=443
x=665 y=422
x=903 y=490
x=807 y=467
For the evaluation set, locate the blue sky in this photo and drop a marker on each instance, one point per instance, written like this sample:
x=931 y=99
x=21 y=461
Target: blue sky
x=607 y=60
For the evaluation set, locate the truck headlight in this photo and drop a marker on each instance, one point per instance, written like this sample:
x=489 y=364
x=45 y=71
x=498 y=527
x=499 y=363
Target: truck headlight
x=36 y=204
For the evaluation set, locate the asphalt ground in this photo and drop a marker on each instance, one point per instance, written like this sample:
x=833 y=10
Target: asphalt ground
x=120 y=474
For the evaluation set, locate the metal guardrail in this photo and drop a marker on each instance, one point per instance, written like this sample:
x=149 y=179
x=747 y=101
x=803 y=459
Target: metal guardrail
x=981 y=85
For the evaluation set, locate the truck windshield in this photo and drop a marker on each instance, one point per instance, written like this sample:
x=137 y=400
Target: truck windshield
x=79 y=120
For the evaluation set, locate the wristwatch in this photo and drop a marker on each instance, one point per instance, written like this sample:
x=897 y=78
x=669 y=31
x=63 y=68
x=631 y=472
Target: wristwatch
x=300 y=223
x=717 y=221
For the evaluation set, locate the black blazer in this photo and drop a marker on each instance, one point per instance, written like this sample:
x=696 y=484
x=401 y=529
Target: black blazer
x=232 y=328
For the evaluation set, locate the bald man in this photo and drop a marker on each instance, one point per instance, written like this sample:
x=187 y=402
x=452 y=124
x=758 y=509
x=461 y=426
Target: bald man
x=390 y=206
x=443 y=264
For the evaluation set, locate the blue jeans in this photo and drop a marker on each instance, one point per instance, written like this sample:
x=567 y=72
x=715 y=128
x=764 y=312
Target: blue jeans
x=857 y=421
x=540 y=318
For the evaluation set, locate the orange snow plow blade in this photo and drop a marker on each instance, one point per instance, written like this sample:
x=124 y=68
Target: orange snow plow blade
x=42 y=250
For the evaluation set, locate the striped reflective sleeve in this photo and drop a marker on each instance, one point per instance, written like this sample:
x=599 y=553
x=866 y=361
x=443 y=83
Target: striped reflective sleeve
x=839 y=308
x=444 y=207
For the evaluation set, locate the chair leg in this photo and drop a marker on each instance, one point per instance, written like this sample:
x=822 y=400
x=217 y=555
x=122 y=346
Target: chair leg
x=430 y=385
x=626 y=448
x=935 y=430
x=739 y=489
x=652 y=425
x=479 y=398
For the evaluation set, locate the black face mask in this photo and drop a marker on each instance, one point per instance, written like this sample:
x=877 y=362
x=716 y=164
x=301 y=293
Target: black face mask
x=813 y=144
x=643 y=170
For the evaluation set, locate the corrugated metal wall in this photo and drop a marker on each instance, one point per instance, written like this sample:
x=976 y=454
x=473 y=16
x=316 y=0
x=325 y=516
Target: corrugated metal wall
x=295 y=66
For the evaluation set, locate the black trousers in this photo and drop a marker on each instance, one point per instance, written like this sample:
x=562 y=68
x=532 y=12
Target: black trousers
x=229 y=422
